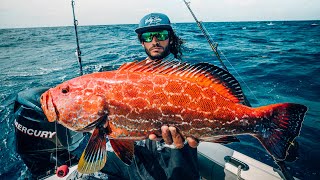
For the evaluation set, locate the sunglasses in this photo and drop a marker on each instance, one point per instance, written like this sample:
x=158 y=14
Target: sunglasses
x=160 y=35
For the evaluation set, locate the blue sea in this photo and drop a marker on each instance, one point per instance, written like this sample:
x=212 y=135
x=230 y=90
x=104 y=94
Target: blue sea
x=278 y=62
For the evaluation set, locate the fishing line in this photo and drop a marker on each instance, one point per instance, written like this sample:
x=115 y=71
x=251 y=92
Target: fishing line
x=240 y=77
x=68 y=147
x=214 y=46
x=226 y=59
x=55 y=128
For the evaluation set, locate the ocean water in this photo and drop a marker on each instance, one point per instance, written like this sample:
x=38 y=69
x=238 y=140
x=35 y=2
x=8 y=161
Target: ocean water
x=274 y=63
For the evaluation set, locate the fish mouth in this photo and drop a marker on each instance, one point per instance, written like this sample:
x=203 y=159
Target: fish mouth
x=101 y=121
x=48 y=107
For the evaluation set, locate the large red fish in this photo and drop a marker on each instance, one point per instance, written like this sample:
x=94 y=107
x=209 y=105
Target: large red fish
x=130 y=103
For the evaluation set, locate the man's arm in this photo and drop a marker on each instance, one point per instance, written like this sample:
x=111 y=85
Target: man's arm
x=180 y=161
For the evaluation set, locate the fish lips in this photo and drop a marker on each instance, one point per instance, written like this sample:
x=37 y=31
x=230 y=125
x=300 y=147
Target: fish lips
x=48 y=106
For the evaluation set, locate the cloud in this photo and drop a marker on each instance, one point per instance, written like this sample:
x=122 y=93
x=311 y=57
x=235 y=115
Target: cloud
x=30 y=13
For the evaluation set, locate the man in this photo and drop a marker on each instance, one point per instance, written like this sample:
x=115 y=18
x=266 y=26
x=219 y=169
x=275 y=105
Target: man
x=160 y=43
x=174 y=157
x=158 y=38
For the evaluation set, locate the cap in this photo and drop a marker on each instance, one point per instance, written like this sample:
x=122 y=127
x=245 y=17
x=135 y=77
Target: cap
x=154 y=21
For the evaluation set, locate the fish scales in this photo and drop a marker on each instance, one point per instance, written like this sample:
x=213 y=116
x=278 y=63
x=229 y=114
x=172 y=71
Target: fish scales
x=139 y=97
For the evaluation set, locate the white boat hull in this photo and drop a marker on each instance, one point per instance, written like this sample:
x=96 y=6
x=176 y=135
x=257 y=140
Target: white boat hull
x=213 y=164
x=219 y=162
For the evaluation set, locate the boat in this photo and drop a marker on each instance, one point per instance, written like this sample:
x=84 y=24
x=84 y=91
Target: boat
x=270 y=24
x=215 y=162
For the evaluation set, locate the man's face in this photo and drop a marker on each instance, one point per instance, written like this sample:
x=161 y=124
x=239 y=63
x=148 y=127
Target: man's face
x=156 y=49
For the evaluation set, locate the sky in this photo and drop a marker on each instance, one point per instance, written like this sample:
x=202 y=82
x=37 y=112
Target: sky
x=47 y=13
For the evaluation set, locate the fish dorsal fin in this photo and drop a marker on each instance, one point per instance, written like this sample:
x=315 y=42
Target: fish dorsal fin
x=206 y=74
x=218 y=75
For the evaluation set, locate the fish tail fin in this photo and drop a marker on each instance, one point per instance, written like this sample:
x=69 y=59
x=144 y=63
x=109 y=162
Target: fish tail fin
x=281 y=124
x=94 y=156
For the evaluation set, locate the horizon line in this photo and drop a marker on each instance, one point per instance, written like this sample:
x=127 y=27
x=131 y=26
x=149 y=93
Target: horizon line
x=236 y=21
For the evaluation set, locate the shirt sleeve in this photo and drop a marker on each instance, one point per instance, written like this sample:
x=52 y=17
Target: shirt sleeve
x=180 y=163
x=151 y=163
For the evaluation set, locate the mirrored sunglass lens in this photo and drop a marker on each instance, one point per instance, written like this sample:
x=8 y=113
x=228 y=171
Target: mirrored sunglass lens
x=161 y=35
x=147 y=37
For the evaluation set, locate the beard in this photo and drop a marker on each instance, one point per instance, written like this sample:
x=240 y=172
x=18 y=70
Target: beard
x=162 y=55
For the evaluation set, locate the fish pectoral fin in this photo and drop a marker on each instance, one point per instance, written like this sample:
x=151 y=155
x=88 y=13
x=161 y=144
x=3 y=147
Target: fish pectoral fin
x=94 y=156
x=124 y=149
x=220 y=139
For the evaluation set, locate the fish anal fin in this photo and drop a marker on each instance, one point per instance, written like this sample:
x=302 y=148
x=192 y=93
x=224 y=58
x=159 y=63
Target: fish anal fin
x=124 y=149
x=94 y=156
x=220 y=139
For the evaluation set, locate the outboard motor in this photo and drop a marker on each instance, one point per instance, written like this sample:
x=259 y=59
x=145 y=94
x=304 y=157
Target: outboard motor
x=42 y=144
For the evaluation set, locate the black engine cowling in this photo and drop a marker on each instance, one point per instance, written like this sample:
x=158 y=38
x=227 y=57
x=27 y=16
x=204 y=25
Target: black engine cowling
x=41 y=144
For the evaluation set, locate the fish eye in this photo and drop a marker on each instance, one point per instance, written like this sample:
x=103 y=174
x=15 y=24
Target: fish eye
x=65 y=90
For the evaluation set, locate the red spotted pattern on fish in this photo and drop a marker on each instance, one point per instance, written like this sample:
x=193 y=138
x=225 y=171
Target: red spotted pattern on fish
x=128 y=104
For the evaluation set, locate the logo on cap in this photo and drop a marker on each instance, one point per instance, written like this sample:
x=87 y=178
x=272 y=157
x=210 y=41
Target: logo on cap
x=152 y=20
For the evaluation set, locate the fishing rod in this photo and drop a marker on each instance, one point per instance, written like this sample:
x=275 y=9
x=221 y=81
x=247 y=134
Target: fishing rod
x=78 y=52
x=212 y=44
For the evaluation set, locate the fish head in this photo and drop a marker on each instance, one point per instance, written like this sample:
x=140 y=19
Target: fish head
x=76 y=104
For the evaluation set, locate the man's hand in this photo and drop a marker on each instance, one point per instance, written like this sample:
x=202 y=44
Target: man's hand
x=171 y=136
